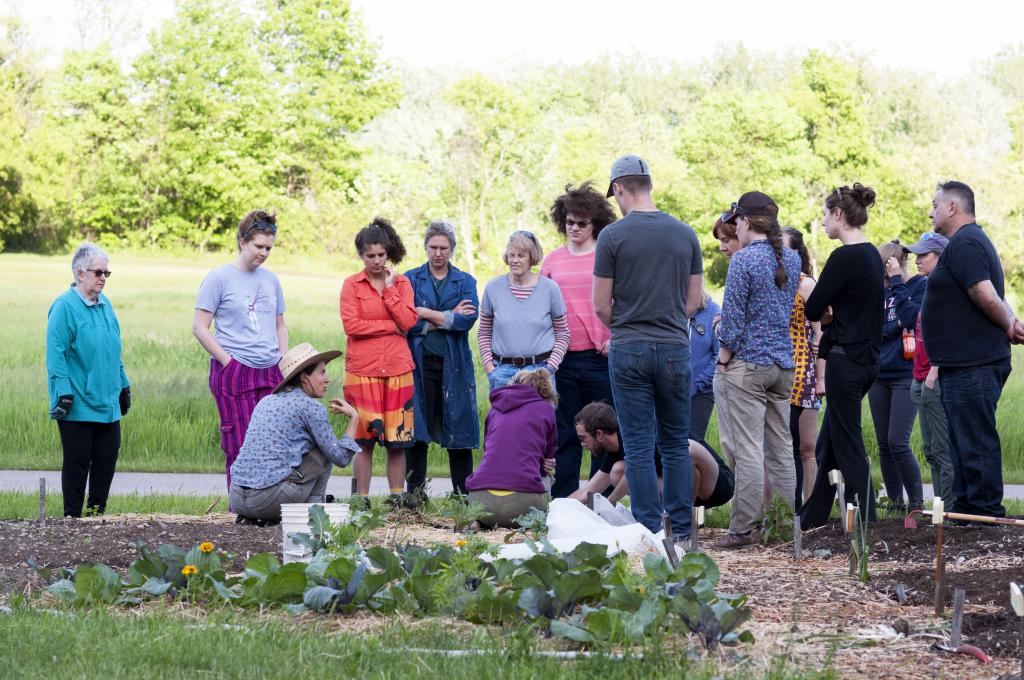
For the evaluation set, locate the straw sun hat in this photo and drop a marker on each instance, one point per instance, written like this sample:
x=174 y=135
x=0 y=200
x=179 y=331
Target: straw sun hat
x=299 y=357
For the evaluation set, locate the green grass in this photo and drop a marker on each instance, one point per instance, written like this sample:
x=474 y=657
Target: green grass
x=162 y=646
x=25 y=505
x=173 y=422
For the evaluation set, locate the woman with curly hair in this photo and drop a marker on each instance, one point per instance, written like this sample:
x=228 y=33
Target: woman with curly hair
x=376 y=311
x=579 y=215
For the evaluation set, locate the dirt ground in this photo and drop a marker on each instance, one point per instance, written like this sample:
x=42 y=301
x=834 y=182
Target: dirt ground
x=807 y=611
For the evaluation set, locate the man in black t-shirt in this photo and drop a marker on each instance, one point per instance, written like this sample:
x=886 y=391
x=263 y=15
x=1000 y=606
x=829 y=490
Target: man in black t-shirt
x=969 y=328
x=598 y=429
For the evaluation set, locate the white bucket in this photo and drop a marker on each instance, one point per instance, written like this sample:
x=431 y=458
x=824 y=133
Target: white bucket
x=295 y=519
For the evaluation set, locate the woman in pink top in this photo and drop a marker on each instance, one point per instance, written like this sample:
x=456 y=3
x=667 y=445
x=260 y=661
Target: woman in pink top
x=579 y=215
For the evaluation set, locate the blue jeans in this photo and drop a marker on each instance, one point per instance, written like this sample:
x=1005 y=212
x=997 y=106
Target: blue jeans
x=582 y=379
x=970 y=396
x=503 y=373
x=651 y=385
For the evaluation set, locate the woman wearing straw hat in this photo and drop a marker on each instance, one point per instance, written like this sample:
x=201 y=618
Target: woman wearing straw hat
x=290 y=445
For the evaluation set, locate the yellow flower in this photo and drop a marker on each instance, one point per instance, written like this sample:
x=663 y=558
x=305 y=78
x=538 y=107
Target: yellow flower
x=206 y=547
x=642 y=590
x=189 y=569
x=461 y=542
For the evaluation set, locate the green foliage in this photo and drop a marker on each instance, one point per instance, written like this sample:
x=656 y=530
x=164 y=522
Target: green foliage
x=581 y=595
x=777 y=523
x=533 y=524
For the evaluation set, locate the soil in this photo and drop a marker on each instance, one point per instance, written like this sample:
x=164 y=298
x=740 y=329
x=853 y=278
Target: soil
x=71 y=542
x=890 y=542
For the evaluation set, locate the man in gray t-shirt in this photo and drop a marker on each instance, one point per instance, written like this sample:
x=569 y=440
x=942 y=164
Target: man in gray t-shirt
x=647 y=282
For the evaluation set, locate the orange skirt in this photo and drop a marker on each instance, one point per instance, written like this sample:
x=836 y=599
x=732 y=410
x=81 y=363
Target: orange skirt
x=385 y=409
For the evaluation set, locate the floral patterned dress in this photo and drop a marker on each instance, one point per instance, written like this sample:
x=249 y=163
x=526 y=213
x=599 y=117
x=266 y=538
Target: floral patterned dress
x=804 y=374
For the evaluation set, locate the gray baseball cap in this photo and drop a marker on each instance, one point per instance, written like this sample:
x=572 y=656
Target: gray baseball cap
x=628 y=166
x=930 y=242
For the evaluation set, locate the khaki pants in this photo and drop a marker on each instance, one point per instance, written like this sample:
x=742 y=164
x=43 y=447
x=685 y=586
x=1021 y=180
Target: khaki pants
x=505 y=509
x=758 y=415
x=722 y=411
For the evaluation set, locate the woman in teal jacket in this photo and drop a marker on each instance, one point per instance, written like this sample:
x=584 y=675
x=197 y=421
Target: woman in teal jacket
x=89 y=390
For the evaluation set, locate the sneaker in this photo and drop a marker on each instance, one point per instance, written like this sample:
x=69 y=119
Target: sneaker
x=329 y=498
x=734 y=541
x=395 y=500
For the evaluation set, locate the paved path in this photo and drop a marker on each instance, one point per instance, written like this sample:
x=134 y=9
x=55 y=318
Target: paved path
x=207 y=484
x=183 y=483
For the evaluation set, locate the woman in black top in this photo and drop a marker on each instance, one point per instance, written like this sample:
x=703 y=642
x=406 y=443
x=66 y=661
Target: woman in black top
x=851 y=284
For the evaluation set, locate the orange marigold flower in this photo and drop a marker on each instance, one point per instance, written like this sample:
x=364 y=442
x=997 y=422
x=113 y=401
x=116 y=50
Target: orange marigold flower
x=206 y=547
x=460 y=542
x=189 y=570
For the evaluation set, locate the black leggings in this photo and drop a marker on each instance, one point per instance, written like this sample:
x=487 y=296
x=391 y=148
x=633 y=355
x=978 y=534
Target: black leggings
x=90 y=452
x=893 y=414
x=840 y=444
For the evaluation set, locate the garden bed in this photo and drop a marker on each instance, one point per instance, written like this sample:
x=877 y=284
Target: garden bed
x=811 y=613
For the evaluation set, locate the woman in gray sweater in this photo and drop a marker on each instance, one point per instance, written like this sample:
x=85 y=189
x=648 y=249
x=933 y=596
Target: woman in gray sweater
x=523 y=323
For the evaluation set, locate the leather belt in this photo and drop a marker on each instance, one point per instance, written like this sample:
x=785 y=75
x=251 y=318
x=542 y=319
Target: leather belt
x=521 y=362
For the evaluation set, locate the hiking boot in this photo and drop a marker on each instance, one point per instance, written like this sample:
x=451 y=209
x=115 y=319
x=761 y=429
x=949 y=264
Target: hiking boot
x=734 y=541
x=396 y=500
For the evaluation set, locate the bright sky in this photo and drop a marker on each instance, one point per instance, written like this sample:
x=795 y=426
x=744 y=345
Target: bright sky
x=940 y=36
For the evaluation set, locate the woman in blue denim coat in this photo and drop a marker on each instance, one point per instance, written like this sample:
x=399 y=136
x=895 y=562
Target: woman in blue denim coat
x=445 y=385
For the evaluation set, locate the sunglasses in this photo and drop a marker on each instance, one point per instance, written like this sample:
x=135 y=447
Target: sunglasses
x=261 y=225
x=105 y=273
x=523 y=232
x=582 y=224
x=734 y=211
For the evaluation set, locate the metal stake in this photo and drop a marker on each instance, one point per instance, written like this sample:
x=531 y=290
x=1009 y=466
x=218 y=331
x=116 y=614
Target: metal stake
x=958 y=618
x=1017 y=602
x=798 y=550
x=42 y=500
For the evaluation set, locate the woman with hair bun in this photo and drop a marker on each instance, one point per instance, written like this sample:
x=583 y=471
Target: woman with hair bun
x=756 y=358
x=851 y=285
x=376 y=311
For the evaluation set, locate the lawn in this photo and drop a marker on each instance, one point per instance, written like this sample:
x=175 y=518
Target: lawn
x=173 y=422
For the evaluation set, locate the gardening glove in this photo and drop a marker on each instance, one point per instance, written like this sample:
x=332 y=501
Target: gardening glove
x=63 y=407
x=125 y=400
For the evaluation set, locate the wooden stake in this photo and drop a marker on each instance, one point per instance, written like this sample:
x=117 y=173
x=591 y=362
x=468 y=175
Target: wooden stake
x=355 y=486
x=835 y=478
x=940 y=576
x=590 y=500
x=958 y=618
x=666 y=522
x=798 y=549
x=42 y=500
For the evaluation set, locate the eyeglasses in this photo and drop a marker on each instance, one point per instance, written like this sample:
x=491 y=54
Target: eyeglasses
x=839 y=195
x=261 y=225
x=105 y=273
x=734 y=211
x=582 y=224
x=523 y=232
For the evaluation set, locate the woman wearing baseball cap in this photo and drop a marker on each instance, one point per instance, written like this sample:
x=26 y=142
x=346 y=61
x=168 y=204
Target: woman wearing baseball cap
x=924 y=390
x=290 y=445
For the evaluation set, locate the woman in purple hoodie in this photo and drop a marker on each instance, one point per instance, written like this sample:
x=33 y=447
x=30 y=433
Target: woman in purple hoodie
x=520 y=440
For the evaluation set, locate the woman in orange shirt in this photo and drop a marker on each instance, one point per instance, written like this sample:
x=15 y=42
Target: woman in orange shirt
x=376 y=311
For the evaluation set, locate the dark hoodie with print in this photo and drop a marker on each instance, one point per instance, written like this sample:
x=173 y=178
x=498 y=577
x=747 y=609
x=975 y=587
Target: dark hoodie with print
x=902 y=303
x=519 y=433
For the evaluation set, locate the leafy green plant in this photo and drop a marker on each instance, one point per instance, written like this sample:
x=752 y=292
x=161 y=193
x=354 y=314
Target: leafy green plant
x=341 y=538
x=777 y=524
x=533 y=524
x=459 y=509
x=859 y=545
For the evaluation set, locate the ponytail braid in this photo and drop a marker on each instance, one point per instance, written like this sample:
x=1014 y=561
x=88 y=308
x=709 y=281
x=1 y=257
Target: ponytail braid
x=775 y=239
